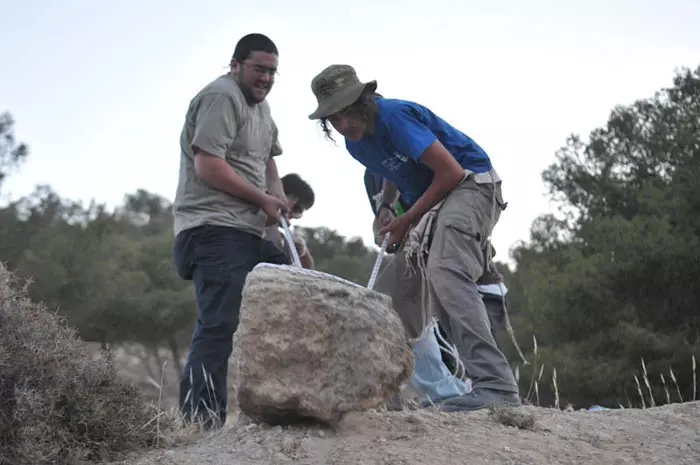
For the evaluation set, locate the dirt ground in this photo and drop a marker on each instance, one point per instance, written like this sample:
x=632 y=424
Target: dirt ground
x=668 y=435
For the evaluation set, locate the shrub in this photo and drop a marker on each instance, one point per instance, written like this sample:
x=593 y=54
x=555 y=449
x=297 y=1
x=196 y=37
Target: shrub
x=58 y=404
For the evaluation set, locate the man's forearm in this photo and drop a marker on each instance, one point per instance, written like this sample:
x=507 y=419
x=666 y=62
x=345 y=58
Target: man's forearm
x=274 y=183
x=220 y=175
x=437 y=191
x=390 y=193
x=447 y=174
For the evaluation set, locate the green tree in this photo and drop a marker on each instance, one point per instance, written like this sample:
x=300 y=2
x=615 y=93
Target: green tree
x=611 y=280
x=13 y=231
x=12 y=154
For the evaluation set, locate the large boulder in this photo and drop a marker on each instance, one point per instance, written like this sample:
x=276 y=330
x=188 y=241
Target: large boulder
x=312 y=346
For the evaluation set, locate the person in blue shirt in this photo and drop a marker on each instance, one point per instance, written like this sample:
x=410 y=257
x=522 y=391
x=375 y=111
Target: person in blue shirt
x=455 y=201
x=436 y=374
x=491 y=286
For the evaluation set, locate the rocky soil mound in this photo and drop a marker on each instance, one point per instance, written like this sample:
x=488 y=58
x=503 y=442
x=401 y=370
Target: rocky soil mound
x=668 y=435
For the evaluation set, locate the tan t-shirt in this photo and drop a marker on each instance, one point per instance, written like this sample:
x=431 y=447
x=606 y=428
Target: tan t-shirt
x=220 y=122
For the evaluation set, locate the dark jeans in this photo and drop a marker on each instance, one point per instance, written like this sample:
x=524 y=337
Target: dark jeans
x=217 y=259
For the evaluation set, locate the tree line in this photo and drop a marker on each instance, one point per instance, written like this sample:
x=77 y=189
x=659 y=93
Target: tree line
x=604 y=289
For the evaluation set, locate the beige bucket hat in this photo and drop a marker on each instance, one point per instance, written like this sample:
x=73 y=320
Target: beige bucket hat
x=335 y=88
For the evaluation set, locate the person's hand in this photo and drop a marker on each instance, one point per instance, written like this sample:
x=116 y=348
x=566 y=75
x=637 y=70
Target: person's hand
x=300 y=245
x=282 y=198
x=272 y=206
x=383 y=218
x=398 y=228
x=287 y=202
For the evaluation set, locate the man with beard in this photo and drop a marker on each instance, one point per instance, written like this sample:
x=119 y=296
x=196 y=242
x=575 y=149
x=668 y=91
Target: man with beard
x=222 y=206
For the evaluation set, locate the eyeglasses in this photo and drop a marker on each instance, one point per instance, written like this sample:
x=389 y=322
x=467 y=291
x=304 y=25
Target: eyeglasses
x=297 y=210
x=260 y=69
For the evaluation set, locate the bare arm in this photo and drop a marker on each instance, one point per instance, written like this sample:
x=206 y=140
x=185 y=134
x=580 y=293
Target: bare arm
x=218 y=173
x=307 y=261
x=390 y=192
x=215 y=131
x=447 y=174
x=305 y=257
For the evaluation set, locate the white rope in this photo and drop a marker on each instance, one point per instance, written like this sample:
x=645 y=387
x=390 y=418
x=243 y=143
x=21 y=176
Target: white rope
x=451 y=350
x=308 y=272
x=378 y=262
x=290 y=241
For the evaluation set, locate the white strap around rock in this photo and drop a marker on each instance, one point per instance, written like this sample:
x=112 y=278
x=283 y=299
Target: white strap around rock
x=378 y=262
x=290 y=241
x=308 y=272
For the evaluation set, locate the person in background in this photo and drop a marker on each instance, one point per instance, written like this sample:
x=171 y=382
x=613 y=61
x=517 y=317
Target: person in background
x=228 y=192
x=455 y=202
x=300 y=197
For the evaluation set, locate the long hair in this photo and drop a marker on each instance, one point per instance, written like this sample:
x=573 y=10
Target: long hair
x=365 y=107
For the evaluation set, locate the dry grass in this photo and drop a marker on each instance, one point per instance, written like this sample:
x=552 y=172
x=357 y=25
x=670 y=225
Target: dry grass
x=646 y=400
x=59 y=405
x=645 y=377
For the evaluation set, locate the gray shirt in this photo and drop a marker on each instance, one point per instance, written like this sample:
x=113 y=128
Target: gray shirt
x=220 y=121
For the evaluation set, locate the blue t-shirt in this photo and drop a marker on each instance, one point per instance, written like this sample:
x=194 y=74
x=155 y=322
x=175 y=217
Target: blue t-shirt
x=402 y=132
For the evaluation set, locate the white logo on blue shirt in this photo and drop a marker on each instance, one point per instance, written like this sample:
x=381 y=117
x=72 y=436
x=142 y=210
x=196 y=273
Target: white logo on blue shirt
x=401 y=156
x=394 y=162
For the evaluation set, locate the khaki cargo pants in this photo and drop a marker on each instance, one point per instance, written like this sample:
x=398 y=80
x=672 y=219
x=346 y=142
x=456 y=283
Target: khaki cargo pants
x=456 y=261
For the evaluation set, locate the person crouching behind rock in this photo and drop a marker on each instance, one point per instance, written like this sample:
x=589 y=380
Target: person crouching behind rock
x=455 y=198
x=300 y=198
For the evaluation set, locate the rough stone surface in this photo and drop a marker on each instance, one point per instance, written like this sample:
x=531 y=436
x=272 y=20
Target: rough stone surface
x=311 y=347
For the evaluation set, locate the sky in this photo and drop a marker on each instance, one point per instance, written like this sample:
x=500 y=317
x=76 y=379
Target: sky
x=99 y=90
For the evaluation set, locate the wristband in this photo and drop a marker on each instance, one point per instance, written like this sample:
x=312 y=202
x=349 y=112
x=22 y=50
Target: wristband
x=399 y=209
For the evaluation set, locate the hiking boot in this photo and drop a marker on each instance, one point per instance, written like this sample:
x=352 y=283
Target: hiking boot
x=479 y=399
